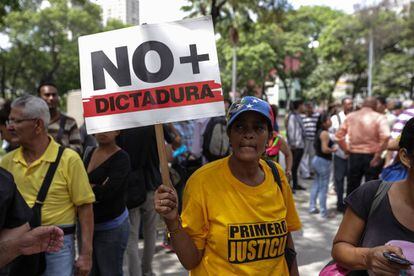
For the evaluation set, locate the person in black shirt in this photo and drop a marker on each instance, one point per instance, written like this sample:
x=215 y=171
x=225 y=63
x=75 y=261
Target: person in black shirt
x=108 y=168
x=321 y=163
x=141 y=145
x=16 y=238
x=360 y=241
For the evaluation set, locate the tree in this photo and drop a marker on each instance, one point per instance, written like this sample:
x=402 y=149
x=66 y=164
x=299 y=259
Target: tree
x=394 y=73
x=44 y=44
x=218 y=9
x=341 y=50
x=255 y=55
x=302 y=29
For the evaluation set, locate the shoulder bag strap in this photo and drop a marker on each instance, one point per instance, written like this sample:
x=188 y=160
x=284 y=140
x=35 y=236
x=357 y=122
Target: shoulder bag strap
x=339 y=119
x=383 y=189
x=61 y=130
x=48 y=180
x=290 y=254
x=275 y=173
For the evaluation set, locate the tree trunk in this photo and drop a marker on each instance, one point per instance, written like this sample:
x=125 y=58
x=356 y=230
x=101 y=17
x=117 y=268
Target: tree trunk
x=287 y=94
x=215 y=10
x=330 y=97
x=3 y=80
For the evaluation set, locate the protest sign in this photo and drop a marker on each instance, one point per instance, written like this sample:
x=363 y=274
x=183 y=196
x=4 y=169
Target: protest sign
x=150 y=74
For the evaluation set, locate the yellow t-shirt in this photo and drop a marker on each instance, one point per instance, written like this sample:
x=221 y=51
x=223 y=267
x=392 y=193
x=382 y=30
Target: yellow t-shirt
x=70 y=185
x=242 y=229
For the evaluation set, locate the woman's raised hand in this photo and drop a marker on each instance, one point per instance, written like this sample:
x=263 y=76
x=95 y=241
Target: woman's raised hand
x=166 y=202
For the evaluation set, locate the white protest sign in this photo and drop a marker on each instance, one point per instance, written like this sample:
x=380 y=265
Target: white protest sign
x=150 y=74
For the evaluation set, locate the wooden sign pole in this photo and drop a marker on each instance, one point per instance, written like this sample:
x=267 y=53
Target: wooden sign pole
x=162 y=154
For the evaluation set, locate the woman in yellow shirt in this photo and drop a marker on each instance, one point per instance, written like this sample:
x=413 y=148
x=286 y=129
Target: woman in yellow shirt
x=235 y=219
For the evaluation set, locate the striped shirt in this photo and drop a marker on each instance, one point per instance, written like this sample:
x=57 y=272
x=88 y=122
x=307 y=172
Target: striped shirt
x=402 y=119
x=70 y=137
x=309 y=123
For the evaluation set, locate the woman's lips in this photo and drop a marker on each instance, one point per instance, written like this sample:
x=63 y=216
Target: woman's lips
x=248 y=146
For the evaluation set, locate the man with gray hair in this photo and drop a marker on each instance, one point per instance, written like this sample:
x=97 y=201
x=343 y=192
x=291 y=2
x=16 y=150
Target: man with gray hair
x=69 y=192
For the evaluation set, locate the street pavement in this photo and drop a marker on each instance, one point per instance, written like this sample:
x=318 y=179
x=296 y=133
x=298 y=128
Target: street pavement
x=313 y=243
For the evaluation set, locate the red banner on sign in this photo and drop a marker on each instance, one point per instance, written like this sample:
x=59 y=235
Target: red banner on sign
x=154 y=98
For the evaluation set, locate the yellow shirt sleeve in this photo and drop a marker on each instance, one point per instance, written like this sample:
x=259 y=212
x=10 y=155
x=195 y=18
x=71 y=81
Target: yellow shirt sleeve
x=194 y=212
x=292 y=217
x=78 y=182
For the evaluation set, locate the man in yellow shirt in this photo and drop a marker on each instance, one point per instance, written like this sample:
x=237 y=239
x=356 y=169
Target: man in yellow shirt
x=70 y=193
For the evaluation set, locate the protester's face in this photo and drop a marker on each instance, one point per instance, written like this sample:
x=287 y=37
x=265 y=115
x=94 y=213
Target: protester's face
x=22 y=129
x=248 y=136
x=309 y=109
x=50 y=95
x=348 y=105
x=302 y=108
x=327 y=124
x=251 y=84
x=390 y=105
x=380 y=107
x=106 y=137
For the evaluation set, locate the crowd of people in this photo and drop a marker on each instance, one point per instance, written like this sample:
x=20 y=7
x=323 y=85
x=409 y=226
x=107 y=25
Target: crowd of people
x=84 y=200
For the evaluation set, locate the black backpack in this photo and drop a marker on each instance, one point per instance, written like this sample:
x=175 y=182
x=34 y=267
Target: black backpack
x=215 y=140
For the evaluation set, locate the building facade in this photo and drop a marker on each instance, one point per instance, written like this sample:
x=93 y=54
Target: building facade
x=126 y=11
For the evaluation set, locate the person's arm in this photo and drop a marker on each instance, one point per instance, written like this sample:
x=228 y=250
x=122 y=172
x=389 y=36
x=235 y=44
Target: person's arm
x=346 y=252
x=20 y=241
x=340 y=136
x=166 y=202
x=384 y=137
x=325 y=142
x=84 y=262
x=284 y=148
x=393 y=145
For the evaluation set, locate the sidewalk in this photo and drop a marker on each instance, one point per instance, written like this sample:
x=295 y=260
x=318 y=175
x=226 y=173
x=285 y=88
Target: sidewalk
x=313 y=243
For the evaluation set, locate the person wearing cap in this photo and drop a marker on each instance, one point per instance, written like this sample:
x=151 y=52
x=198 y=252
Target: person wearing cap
x=235 y=220
x=367 y=230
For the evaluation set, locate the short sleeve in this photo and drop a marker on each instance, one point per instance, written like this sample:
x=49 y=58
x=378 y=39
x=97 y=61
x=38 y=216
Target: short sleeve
x=78 y=182
x=292 y=217
x=14 y=211
x=194 y=214
x=360 y=200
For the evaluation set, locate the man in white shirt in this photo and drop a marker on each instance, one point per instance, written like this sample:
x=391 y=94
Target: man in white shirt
x=340 y=158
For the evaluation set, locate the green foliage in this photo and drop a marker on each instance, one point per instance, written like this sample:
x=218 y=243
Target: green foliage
x=44 y=44
x=279 y=31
